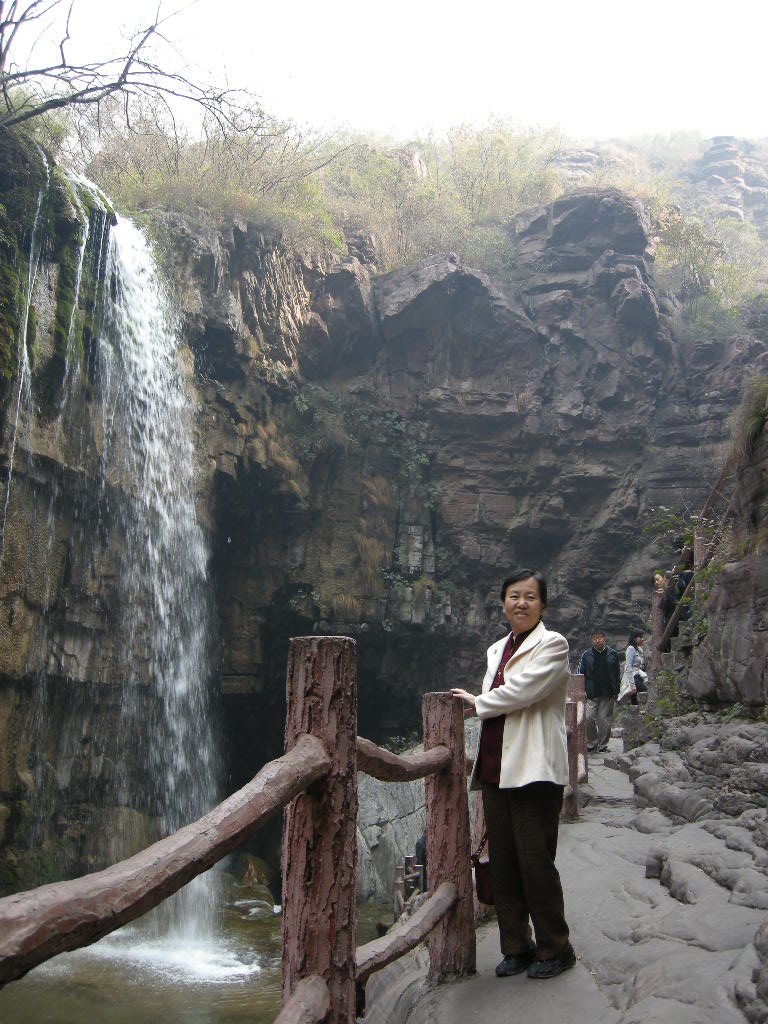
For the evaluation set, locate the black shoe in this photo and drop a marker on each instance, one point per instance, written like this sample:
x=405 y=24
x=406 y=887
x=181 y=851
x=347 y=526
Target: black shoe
x=603 y=748
x=556 y=965
x=515 y=964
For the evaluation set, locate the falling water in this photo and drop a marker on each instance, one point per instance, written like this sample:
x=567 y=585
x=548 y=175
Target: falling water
x=148 y=451
x=166 y=761
x=23 y=383
x=85 y=226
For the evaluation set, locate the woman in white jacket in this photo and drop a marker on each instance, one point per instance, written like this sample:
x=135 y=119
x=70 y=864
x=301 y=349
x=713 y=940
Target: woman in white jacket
x=522 y=768
x=634 y=677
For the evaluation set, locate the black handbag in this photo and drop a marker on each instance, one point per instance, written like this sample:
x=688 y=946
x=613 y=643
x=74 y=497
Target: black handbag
x=482 y=866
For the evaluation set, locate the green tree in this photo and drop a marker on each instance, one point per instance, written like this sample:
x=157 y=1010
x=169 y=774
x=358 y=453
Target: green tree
x=385 y=193
x=495 y=170
x=714 y=264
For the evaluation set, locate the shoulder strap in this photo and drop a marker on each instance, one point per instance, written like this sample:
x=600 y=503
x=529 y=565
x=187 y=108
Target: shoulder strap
x=481 y=844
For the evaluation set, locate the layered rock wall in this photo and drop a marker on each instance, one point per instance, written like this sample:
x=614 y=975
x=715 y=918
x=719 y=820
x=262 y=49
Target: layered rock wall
x=731 y=664
x=374 y=453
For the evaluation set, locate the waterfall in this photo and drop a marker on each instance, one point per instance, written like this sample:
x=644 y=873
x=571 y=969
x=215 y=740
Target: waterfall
x=106 y=592
x=126 y=427
x=22 y=358
x=148 y=452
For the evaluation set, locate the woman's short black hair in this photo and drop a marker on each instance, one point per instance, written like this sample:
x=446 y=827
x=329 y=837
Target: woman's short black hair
x=525 y=574
x=635 y=634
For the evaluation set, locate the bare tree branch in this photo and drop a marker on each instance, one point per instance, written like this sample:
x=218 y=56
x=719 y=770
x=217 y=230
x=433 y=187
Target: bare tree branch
x=28 y=92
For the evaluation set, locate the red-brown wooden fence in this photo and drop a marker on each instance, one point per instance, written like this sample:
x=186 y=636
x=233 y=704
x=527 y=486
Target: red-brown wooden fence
x=315 y=780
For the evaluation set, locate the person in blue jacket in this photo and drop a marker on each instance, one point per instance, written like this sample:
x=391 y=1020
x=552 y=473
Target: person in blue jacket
x=601 y=669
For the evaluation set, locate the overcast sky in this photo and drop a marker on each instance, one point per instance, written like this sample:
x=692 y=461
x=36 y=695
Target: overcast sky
x=593 y=68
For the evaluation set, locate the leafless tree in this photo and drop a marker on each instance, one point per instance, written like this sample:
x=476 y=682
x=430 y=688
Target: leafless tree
x=28 y=92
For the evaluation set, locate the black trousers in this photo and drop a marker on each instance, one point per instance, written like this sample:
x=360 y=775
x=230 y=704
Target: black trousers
x=522 y=842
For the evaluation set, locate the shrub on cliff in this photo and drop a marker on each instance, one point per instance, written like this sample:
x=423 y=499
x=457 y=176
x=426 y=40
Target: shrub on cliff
x=459 y=193
x=713 y=264
x=749 y=419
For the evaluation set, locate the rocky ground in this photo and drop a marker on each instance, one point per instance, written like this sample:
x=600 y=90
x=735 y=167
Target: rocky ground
x=666 y=895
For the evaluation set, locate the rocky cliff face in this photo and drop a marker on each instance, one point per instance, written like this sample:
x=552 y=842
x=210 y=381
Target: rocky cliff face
x=426 y=429
x=732 y=662
x=732 y=172
x=374 y=453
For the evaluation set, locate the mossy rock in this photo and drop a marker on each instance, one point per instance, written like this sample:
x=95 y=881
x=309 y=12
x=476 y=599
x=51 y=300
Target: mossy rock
x=63 y=209
x=23 y=178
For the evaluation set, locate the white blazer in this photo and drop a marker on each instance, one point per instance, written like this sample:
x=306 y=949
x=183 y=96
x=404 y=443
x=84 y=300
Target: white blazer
x=532 y=697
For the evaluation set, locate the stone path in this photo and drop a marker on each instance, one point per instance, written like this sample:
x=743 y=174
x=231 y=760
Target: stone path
x=656 y=957
x=680 y=952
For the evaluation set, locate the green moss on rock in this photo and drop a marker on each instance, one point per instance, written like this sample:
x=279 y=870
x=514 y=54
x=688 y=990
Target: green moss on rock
x=9 y=878
x=31 y=334
x=66 y=207
x=23 y=179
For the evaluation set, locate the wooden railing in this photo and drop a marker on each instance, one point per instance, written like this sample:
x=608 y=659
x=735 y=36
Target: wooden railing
x=36 y=925
x=315 y=781
x=661 y=642
x=576 y=731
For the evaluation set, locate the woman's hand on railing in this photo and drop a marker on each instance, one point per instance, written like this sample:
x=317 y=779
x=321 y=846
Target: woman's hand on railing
x=467 y=697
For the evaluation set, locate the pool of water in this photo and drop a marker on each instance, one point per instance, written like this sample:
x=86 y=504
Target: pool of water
x=133 y=976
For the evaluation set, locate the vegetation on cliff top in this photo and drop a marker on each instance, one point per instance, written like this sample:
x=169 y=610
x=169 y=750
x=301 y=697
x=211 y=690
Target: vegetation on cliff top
x=118 y=117
x=457 y=193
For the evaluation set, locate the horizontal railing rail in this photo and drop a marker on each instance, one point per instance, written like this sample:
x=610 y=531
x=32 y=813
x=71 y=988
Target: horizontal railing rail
x=663 y=625
x=40 y=923
x=388 y=767
x=315 y=781
x=407 y=934
x=685 y=597
x=309 y=1004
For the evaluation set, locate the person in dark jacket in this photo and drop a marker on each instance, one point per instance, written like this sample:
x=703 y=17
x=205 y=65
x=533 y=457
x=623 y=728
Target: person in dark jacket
x=600 y=667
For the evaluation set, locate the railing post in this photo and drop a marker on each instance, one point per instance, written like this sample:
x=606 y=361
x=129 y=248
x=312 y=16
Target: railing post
x=570 y=811
x=319 y=861
x=576 y=731
x=658 y=602
x=452 y=942
x=577 y=692
x=399 y=899
x=699 y=552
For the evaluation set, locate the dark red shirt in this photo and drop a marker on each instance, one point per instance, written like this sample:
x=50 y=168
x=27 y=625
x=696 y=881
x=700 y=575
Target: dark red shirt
x=492 y=732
